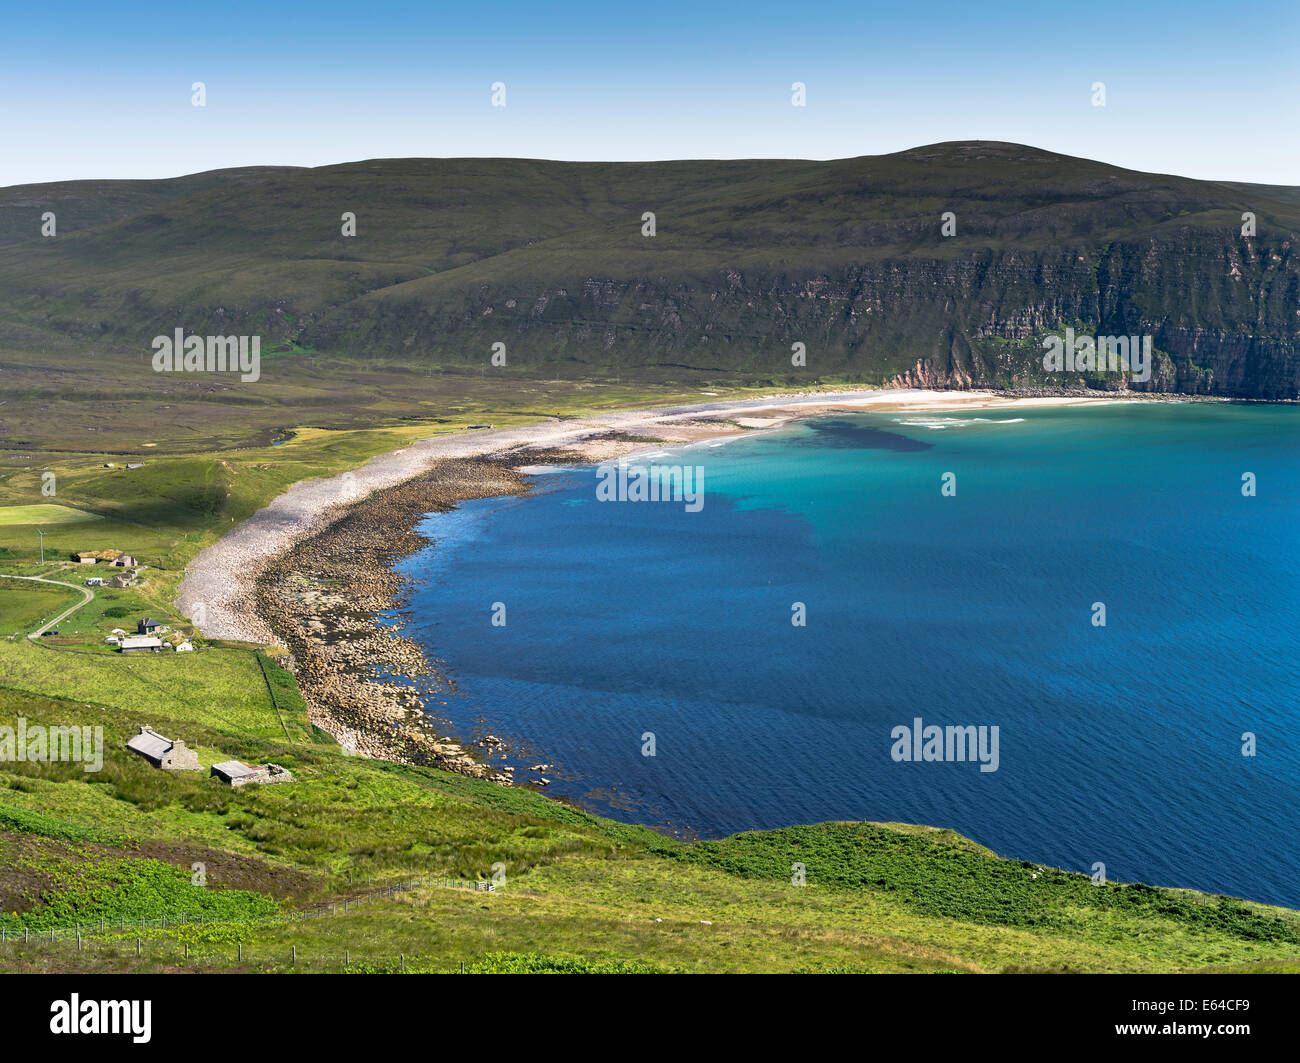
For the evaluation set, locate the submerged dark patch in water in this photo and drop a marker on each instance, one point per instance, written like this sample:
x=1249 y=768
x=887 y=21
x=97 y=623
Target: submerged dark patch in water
x=851 y=435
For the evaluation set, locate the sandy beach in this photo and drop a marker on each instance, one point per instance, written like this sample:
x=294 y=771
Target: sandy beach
x=220 y=577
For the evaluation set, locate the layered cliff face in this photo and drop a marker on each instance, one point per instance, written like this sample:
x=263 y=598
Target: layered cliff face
x=910 y=322
x=851 y=259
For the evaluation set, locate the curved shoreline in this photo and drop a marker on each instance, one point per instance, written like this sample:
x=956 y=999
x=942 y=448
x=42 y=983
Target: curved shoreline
x=219 y=579
x=274 y=578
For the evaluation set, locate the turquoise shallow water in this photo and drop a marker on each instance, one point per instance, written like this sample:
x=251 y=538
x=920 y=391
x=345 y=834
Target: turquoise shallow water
x=1118 y=744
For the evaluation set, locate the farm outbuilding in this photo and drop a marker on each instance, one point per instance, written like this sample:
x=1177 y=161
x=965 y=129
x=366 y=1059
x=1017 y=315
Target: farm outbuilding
x=237 y=773
x=91 y=557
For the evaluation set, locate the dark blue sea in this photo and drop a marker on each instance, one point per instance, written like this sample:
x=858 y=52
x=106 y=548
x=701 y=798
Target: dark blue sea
x=1120 y=744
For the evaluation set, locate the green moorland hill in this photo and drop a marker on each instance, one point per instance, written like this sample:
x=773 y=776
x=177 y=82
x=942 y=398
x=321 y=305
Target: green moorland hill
x=453 y=255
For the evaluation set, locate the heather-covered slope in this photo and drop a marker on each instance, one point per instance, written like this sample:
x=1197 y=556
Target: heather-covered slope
x=452 y=256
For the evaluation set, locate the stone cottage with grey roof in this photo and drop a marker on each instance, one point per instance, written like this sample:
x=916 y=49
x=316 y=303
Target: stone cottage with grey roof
x=163 y=752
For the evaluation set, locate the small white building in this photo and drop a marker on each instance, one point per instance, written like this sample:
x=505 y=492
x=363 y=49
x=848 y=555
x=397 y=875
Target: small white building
x=184 y=647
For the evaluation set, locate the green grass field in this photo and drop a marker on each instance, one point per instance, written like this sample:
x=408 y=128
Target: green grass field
x=42 y=515
x=24 y=605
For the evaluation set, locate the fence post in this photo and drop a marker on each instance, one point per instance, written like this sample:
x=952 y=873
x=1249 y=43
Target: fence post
x=345 y=959
x=78 y=937
x=293 y=958
x=403 y=963
x=137 y=948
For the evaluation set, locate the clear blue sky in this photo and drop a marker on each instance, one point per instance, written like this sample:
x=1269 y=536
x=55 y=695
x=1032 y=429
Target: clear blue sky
x=103 y=89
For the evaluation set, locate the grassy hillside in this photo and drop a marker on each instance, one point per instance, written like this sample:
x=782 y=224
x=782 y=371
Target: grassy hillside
x=451 y=256
x=119 y=846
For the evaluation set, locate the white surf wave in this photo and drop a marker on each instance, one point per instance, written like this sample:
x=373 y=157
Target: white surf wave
x=940 y=423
